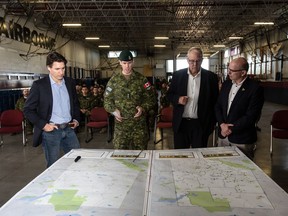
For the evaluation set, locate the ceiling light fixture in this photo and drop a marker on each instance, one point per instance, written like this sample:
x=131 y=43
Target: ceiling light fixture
x=264 y=23
x=164 y=23
x=103 y=46
x=71 y=24
x=219 y=45
x=235 y=38
x=92 y=38
x=200 y=31
x=159 y=45
x=161 y=38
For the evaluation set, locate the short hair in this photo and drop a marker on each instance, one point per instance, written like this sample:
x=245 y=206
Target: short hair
x=246 y=66
x=55 y=57
x=195 y=49
x=243 y=61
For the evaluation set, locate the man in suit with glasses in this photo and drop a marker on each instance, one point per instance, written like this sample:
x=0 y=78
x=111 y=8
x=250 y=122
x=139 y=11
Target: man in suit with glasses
x=193 y=93
x=238 y=108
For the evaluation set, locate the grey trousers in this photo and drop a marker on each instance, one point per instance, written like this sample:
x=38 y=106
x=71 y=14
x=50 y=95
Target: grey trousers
x=247 y=149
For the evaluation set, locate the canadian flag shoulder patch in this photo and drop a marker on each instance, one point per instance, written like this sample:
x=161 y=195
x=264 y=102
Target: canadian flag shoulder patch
x=147 y=85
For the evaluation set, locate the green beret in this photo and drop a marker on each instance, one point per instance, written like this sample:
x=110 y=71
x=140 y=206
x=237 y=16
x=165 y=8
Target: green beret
x=125 y=55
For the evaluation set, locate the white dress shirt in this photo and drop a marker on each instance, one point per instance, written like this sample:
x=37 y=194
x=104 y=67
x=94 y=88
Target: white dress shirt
x=193 y=88
x=233 y=91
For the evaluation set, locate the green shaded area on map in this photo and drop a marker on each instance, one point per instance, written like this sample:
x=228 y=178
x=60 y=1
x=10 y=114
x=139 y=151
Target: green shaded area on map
x=236 y=165
x=204 y=199
x=66 y=200
x=130 y=165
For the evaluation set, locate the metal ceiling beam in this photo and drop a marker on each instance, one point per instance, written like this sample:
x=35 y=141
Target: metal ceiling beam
x=135 y=23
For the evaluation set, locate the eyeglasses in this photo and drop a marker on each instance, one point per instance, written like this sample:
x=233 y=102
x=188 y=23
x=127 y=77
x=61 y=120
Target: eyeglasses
x=194 y=61
x=234 y=71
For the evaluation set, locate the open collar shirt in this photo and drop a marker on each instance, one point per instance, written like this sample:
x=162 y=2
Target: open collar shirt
x=193 y=89
x=61 y=102
x=233 y=91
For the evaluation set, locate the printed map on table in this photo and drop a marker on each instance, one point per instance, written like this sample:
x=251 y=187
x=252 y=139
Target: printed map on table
x=217 y=184
x=96 y=183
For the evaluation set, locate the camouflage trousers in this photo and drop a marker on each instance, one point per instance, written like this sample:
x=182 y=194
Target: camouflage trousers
x=131 y=134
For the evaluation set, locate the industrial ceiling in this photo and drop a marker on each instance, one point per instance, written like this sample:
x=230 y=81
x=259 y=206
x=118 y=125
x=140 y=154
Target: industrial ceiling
x=133 y=24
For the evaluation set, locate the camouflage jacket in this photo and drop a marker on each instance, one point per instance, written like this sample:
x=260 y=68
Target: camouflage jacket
x=85 y=101
x=20 y=104
x=126 y=94
x=164 y=102
x=97 y=101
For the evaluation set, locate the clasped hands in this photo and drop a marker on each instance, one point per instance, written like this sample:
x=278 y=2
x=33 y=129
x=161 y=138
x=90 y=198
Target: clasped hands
x=119 y=118
x=226 y=129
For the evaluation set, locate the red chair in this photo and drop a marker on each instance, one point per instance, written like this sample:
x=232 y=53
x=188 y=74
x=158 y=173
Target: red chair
x=12 y=121
x=163 y=120
x=98 y=118
x=279 y=126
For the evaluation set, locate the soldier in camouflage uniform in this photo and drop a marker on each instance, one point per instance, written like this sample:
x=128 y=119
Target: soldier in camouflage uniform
x=98 y=98
x=164 y=102
x=20 y=105
x=21 y=101
x=128 y=97
x=154 y=111
x=85 y=101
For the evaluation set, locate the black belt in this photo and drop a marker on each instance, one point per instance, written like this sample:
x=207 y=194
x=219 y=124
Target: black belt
x=189 y=119
x=61 y=126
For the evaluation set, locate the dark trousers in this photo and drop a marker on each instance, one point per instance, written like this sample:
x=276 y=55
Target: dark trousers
x=190 y=135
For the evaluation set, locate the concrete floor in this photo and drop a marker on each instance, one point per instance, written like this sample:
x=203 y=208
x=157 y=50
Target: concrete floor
x=19 y=165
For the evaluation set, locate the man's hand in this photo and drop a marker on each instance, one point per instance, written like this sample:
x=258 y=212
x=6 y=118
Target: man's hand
x=225 y=129
x=73 y=124
x=83 y=110
x=183 y=100
x=117 y=115
x=139 y=112
x=49 y=127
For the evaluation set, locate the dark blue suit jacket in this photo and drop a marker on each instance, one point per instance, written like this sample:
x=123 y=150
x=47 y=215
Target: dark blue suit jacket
x=244 y=112
x=38 y=106
x=207 y=98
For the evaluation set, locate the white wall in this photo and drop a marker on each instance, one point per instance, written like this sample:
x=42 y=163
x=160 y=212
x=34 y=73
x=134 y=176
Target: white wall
x=18 y=57
x=11 y=61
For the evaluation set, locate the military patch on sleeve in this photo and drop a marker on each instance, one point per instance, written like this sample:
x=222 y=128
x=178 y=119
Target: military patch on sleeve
x=108 y=90
x=147 y=85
